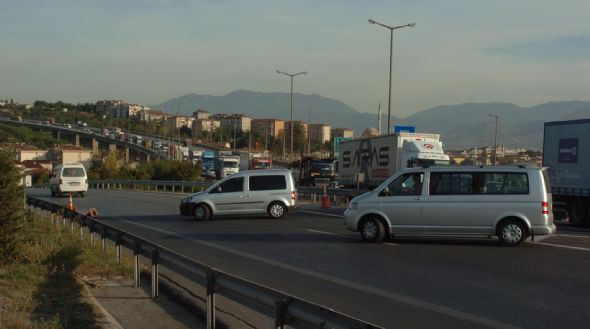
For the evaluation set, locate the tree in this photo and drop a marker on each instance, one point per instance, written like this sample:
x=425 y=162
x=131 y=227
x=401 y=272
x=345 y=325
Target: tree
x=11 y=208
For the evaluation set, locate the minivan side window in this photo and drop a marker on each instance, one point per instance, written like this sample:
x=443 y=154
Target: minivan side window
x=449 y=183
x=230 y=185
x=504 y=183
x=407 y=184
x=271 y=182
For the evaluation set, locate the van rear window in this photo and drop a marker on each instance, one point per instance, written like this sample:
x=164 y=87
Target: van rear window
x=73 y=172
x=270 y=182
x=448 y=183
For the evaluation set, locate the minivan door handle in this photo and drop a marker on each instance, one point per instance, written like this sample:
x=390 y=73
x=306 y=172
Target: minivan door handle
x=419 y=198
x=246 y=195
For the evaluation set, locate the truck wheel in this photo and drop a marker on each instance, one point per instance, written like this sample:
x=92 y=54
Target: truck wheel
x=276 y=210
x=201 y=213
x=511 y=232
x=372 y=230
x=578 y=212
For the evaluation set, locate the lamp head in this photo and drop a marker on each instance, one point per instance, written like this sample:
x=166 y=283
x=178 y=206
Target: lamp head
x=372 y=21
x=412 y=25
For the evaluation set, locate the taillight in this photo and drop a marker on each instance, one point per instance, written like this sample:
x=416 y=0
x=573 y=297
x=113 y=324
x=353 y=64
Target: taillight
x=545 y=208
x=292 y=195
x=61 y=181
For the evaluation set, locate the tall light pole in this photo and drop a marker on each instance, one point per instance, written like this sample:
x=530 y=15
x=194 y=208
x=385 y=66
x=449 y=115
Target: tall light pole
x=390 y=28
x=291 y=76
x=495 y=136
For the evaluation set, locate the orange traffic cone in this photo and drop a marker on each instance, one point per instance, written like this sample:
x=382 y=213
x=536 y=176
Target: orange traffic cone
x=325 y=200
x=71 y=204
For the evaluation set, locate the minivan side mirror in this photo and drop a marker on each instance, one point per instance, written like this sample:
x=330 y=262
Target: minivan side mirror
x=218 y=189
x=385 y=192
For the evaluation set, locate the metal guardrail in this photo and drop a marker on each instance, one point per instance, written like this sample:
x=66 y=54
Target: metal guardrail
x=181 y=186
x=287 y=309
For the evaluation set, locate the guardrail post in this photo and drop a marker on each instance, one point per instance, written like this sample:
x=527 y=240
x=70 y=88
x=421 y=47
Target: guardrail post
x=81 y=229
x=173 y=187
x=210 y=300
x=136 y=265
x=118 y=248
x=92 y=237
x=103 y=237
x=155 y=286
x=281 y=313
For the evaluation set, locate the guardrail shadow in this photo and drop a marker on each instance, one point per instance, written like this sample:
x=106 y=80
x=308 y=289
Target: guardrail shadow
x=59 y=298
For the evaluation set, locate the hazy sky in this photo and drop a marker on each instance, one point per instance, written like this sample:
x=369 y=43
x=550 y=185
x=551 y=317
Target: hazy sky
x=147 y=51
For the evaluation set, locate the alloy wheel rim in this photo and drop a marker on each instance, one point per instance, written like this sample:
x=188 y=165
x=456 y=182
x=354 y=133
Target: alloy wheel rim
x=512 y=233
x=276 y=210
x=200 y=212
x=370 y=230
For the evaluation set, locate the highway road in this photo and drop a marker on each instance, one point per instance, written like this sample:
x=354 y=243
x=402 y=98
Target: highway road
x=407 y=283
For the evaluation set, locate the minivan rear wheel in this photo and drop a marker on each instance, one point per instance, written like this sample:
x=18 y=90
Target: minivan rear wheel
x=372 y=230
x=201 y=213
x=511 y=232
x=276 y=210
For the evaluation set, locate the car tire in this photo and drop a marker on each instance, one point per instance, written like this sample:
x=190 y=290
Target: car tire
x=201 y=213
x=511 y=232
x=82 y=194
x=372 y=230
x=277 y=210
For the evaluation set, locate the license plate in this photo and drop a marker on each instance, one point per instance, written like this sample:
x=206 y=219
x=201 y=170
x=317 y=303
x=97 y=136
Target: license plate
x=74 y=184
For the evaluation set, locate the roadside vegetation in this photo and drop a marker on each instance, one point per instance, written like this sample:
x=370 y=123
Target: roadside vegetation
x=42 y=263
x=16 y=134
x=112 y=168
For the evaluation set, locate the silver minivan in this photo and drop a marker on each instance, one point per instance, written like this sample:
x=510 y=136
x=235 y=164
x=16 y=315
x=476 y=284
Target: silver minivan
x=68 y=178
x=246 y=192
x=510 y=202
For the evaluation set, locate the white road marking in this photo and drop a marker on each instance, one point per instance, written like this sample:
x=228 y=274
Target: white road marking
x=571 y=235
x=320 y=213
x=560 y=246
x=392 y=244
x=328 y=233
x=353 y=285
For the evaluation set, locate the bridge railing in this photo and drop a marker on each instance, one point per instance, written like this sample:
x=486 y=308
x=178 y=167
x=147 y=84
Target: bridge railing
x=287 y=310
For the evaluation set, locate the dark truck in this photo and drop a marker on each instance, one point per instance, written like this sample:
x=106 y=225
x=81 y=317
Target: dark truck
x=566 y=151
x=310 y=171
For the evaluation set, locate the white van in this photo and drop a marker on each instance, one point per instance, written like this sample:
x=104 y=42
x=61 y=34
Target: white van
x=68 y=178
x=510 y=202
x=247 y=192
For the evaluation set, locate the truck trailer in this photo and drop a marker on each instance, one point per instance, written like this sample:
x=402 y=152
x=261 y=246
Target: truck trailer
x=367 y=162
x=566 y=151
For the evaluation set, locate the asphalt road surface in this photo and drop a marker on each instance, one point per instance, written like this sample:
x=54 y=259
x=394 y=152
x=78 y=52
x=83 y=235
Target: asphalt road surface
x=408 y=283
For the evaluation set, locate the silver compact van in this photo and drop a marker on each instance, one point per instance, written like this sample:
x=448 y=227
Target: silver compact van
x=246 y=192
x=510 y=202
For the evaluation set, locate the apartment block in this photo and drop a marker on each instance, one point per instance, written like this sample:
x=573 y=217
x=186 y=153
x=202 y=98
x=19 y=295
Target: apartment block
x=319 y=133
x=204 y=125
x=179 y=121
x=342 y=132
x=302 y=127
x=239 y=121
x=201 y=114
x=268 y=127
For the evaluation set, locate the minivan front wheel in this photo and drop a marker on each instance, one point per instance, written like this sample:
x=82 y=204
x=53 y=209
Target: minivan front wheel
x=511 y=232
x=201 y=213
x=372 y=230
x=276 y=210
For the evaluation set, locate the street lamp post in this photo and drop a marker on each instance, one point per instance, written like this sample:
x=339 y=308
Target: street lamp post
x=291 y=76
x=495 y=137
x=390 y=28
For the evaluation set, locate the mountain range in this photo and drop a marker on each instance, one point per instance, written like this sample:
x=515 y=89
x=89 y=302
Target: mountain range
x=460 y=126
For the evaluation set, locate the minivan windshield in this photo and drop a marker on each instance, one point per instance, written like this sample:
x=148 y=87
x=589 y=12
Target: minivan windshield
x=73 y=172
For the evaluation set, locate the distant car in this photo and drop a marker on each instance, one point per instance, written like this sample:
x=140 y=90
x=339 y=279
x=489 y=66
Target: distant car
x=68 y=178
x=247 y=192
x=509 y=202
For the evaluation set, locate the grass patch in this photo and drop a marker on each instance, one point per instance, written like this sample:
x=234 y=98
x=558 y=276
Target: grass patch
x=41 y=289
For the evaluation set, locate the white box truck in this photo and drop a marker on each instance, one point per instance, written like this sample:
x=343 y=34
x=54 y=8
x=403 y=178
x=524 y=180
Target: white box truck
x=566 y=151
x=367 y=162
